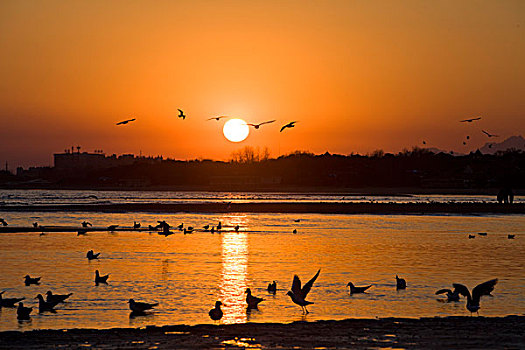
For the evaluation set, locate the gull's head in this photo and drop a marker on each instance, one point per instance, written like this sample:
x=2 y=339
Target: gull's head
x=49 y=292
x=218 y=304
x=248 y=291
x=131 y=301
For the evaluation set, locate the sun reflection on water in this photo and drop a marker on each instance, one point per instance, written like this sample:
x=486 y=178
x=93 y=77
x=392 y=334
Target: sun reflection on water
x=234 y=273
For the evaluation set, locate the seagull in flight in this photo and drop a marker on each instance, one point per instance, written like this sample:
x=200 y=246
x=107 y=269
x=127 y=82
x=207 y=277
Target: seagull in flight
x=216 y=118
x=489 y=135
x=289 y=125
x=126 y=121
x=298 y=294
x=257 y=126
x=480 y=290
x=181 y=114
x=469 y=120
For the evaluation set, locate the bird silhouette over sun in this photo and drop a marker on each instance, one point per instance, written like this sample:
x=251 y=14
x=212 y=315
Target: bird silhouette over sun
x=236 y=130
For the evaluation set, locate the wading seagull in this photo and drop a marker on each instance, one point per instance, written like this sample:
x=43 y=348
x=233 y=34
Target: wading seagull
x=272 y=287
x=289 y=125
x=91 y=255
x=100 y=279
x=257 y=126
x=354 y=289
x=136 y=225
x=8 y=302
x=480 y=290
x=216 y=118
x=451 y=295
x=29 y=280
x=58 y=298
x=22 y=312
x=252 y=300
x=400 y=283
x=126 y=121
x=298 y=294
x=216 y=313
x=140 y=307
x=45 y=305
x=469 y=120
x=181 y=114
x=489 y=135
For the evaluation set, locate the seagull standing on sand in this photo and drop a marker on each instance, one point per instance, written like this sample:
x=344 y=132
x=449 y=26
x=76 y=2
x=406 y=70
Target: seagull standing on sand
x=58 y=298
x=100 y=279
x=451 y=295
x=298 y=294
x=216 y=313
x=257 y=126
x=29 y=280
x=22 y=312
x=355 y=290
x=91 y=255
x=400 y=283
x=252 y=300
x=289 y=125
x=126 y=121
x=272 y=287
x=8 y=302
x=140 y=307
x=181 y=114
x=480 y=290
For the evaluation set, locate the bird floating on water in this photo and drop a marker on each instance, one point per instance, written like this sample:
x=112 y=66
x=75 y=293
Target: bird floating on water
x=216 y=313
x=400 y=283
x=356 y=290
x=181 y=114
x=8 y=302
x=22 y=312
x=112 y=227
x=451 y=295
x=126 y=121
x=511 y=236
x=28 y=280
x=3 y=222
x=58 y=298
x=294 y=230
x=257 y=126
x=91 y=255
x=251 y=300
x=272 y=287
x=219 y=226
x=471 y=236
x=289 y=125
x=469 y=120
x=236 y=228
x=140 y=307
x=136 y=225
x=45 y=305
x=100 y=279
x=206 y=227
x=298 y=294
x=480 y=290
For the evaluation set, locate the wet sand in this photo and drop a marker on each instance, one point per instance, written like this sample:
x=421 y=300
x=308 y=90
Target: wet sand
x=428 y=333
x=307 y=207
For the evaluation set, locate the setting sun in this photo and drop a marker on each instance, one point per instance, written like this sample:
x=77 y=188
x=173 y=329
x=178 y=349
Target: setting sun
x=236 y=130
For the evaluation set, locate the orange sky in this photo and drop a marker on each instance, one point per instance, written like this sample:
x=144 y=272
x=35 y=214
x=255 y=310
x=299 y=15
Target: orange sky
x=358 y=75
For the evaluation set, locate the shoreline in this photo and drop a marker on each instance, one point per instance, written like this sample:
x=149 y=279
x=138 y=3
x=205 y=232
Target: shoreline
x=431 y=333
x=279 y=207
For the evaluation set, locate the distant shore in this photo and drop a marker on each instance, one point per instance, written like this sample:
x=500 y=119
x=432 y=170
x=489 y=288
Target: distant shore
x=286 y=207
x=425 y=333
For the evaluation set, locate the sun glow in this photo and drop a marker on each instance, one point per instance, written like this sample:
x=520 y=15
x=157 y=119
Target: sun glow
x=236 y=130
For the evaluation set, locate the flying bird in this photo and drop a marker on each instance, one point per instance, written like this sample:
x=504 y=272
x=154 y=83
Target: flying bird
x=58 y=298
x=8 y=302
x=298 y=294
x=140 y=307
x=480 y=290
x=451 y=295
x=126 y=121
x=355 y=290
x=257 y=126
x=289 y=125
x=400 y=283
x=469 y=120
x=181 y=114
x=100 y=279
x=216 y=118
x=489 y=135
x=216 y=313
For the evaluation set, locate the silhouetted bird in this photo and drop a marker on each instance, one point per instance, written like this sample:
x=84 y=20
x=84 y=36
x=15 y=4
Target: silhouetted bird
x=180 y=227
x=112 y=227
x=272 y=287
x=216 y=313
x=28 y=280
x=511 y=236
x=482 y=233
x=136 y=225
x=206 y=227
x=480 y=290
x=294 y=230
x=236 y=228
x=3 y=222
x=451 y=295
x=252 y=300
x=289 y=125
x=22 y=312
x=297 y=220
x=91 y=255
x=181 y=114
x=152 y=228
x=489 y=135
x=355 y=290
x=45 y=305
x=469 y=120
x=86 y=224
x=188 y=231
x=471 y=236
x=216 y=118
x=257 y=126
x=298 y=294
x=219 y=226
x=212 y=229
x=126 y=121
x=400 y=283
x=8 y=302
x=58 y=298
x=100 y=279
x=139 y=307
x=35 y=224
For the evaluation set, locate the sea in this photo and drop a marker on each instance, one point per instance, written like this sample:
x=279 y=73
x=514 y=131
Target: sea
x=187 y=273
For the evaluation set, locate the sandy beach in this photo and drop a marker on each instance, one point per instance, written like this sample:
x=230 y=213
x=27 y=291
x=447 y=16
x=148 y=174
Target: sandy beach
x=428 y=333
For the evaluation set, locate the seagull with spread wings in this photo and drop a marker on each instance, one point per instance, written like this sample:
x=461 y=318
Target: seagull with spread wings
x=257 y=126
x=289 y=125
x=489 y=135
x=469 y=120
x=126 y=121
x=298 y=294
x=216 y=118
x=480 y=290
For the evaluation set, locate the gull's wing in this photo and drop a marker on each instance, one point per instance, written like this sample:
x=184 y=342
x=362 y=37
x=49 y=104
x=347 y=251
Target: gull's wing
x=296 y=285
x=308 y=285
x=250 y=124
x=443 y=291
x=486 y=133
x=284 y=127
x=268 y=122
x=483 y=289
x=461 y=289
x=180 y=111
